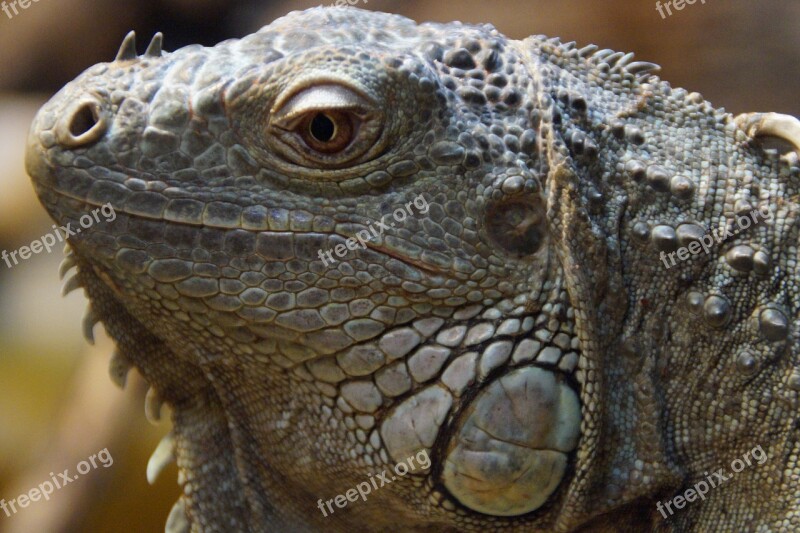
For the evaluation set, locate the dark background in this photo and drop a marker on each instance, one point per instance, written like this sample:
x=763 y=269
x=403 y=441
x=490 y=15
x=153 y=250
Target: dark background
x=57 y=405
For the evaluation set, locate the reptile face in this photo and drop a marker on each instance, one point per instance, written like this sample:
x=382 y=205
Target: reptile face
x=348 y=243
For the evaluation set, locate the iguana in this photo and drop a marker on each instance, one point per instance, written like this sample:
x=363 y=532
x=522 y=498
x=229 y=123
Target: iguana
x=518 y=330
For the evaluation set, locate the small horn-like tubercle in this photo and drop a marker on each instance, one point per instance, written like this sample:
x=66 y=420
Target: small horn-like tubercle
x=70 y=285
x=154 y=48
x=118 y=368
x=163 y=455
x=67 y=264
x=152 y=406
x=90 y=320
x=784 y=127
x=128 y=48
x=177 y=522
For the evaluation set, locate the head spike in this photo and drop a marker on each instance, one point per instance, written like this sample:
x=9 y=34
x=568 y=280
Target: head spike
x=154 y=48
x=128 y=48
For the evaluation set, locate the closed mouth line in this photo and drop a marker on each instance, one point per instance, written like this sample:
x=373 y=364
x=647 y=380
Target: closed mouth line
x=378 y=248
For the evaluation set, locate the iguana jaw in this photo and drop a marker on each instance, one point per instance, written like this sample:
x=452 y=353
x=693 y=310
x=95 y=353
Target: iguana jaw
x=102 y=287
x=102 y=281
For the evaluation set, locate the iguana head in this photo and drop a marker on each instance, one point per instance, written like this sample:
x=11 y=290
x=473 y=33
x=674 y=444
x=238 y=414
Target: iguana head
x=349 y=242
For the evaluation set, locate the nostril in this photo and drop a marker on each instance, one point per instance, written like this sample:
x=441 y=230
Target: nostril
x=82 y=123
x=83 y=120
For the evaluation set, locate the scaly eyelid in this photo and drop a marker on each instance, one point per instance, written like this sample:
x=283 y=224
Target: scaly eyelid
x=320 y=98
x=344 y=102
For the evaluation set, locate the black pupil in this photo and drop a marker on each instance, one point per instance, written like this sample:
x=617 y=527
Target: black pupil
x=322 y=128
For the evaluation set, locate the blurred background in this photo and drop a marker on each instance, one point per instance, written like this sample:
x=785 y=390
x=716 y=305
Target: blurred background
x=57 y=404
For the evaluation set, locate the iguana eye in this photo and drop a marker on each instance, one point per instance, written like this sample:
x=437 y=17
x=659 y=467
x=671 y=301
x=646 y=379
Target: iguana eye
x=328 y=131
x=326 y=125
